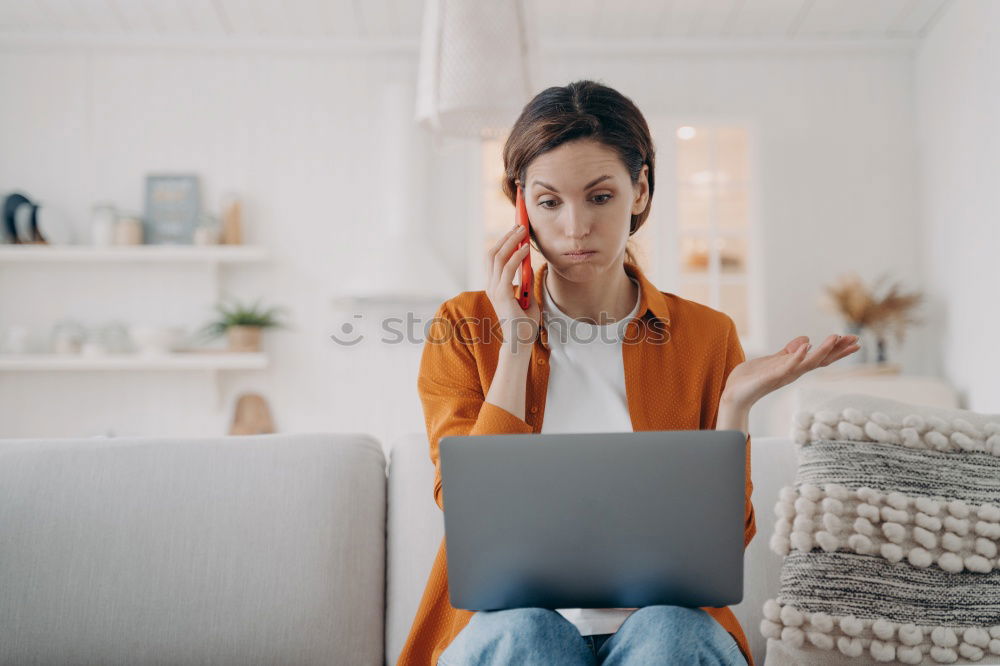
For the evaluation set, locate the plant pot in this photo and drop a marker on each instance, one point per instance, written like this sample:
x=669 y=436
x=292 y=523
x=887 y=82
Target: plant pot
x=243 y=338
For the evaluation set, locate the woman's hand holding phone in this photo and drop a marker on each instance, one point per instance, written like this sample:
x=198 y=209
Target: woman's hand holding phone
x=519 y=326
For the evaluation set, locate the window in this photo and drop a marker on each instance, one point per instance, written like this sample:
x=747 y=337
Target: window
x=713 y=226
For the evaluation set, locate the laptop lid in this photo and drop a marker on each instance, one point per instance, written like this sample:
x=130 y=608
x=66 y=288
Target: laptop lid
x=594 y=520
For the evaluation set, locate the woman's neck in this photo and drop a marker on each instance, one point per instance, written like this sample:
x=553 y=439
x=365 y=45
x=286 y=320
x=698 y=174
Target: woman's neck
x=614 y=295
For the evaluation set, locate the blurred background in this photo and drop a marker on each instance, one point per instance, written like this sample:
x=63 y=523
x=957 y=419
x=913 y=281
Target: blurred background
x=236 y=216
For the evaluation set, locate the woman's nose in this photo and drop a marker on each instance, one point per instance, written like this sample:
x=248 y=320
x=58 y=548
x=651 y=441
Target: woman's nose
x=574 y=223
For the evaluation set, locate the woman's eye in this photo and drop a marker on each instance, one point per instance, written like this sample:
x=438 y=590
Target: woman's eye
x=598 y=196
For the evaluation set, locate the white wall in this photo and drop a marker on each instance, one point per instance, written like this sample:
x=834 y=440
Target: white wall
x=958 y=105
x=291 y=132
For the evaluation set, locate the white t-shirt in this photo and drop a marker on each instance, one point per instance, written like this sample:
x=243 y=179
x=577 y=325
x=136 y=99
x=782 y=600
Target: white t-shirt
x=586 y=393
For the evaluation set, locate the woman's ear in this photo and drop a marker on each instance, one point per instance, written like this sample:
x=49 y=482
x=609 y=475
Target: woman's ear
x=641 y=189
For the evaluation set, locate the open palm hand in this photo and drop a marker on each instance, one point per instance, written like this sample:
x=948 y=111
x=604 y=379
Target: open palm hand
x=753 y=379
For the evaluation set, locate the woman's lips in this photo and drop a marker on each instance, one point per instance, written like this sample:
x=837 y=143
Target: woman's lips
x=580 y=255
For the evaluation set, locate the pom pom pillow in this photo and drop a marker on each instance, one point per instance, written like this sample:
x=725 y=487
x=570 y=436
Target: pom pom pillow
x=890 y=538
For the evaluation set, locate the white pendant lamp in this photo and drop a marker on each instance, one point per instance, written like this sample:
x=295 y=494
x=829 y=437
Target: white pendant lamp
x=475 y=66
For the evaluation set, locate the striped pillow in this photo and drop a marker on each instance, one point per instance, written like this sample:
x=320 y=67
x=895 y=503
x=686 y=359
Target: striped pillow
x=890 y=537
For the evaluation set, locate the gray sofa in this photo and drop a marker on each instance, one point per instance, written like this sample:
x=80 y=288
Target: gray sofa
x=273 y=549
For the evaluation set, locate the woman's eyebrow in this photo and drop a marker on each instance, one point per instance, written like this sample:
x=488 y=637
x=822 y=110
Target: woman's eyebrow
x=587 y=186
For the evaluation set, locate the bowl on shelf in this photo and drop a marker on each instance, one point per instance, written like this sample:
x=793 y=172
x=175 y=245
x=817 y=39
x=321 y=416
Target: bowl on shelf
x=155 y=339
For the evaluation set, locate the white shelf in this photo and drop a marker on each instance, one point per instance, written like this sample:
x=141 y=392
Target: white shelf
x=210 y=254
x=172 y=361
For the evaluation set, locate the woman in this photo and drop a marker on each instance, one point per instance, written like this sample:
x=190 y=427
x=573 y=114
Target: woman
x=584 y=156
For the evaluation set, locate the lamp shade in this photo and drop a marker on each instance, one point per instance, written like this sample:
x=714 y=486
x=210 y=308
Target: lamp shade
x=474 y=75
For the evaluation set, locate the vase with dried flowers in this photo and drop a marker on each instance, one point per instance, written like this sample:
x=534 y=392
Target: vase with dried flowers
x=863 y=307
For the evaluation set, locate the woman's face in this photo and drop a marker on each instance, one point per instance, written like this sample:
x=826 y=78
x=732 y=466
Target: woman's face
x=580 y=198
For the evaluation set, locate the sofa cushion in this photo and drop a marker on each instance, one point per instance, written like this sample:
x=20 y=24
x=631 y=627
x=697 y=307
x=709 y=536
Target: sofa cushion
x=890 y=534
x=228 y=550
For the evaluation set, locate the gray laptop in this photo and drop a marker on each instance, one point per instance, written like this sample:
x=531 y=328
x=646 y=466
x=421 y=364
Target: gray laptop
x=594 y=520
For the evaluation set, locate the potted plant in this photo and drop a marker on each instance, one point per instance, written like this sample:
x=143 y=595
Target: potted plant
x=242 y=325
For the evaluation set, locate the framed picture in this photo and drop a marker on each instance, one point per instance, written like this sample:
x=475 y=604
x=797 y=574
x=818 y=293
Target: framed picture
x=173 y=204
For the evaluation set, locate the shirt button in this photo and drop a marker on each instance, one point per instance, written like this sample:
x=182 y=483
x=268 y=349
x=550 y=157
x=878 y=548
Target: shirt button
x=541 y=361
x=534 y=410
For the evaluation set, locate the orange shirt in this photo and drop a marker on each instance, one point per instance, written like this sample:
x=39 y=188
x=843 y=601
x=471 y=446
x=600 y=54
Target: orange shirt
x=677 y=356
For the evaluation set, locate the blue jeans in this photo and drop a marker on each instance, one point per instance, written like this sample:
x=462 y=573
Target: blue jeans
x=650 y=635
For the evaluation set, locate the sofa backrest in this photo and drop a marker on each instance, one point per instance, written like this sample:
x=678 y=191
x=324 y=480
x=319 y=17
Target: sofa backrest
x=415 y=528
x=257 y=549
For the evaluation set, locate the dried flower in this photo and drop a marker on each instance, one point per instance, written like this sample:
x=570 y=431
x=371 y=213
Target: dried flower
x=862 y=308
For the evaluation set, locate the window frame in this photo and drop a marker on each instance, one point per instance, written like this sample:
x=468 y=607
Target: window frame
x=663 y=225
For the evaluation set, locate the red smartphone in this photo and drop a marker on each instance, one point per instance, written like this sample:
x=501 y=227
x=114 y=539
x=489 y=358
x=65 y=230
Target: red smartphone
x=527 y=276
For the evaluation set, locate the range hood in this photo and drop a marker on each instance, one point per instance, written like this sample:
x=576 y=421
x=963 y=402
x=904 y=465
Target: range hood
x=399 y=268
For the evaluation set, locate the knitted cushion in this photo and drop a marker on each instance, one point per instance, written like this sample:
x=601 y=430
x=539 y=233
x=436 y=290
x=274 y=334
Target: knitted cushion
x=889 y=537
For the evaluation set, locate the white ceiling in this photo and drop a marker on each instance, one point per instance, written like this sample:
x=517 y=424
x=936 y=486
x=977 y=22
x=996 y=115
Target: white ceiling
x=554 y=20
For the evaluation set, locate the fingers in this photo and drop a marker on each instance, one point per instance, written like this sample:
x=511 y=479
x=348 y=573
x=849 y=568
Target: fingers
x=819 y=354
x=500 y=252
x=801 y=357
x=798 y=355
x=794 y=344
x=845 y=347
x=806 y=358
x=500 y=242
x=501 y=258
x=846 y=352
x=792 y=360
x=834 y=348
x=507 y=275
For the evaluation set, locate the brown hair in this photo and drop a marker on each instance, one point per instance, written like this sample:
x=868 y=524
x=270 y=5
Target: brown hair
x=583 y=109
